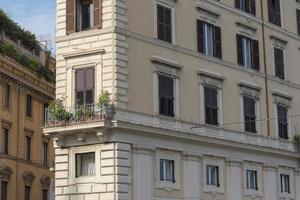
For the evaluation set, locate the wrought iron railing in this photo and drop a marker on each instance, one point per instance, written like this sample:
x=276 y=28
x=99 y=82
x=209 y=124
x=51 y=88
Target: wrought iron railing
x=77 y=114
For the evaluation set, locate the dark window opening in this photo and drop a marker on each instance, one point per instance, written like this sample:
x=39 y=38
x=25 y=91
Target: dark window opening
x=27 y=192
x=298 y=21
x=211 y=105
x=5 y=140
x=84 y=15
x=45 y=152
x=6 y=102
x=279 y=63
x=285 y=183
x=84 y=86
x=45 y=194
x=164 y=23
x=27 y=148
x=212 y=175
x=274 y=12
x=166 y=95
x=249 y=114
x=29 y=106
x=282 y=115
x=85 y=164
x=167 y=170
x=251 y=178
x=4 y=190
x=247 y=6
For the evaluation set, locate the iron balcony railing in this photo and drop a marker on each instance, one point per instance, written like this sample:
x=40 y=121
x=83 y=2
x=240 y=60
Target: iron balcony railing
x=78 y=114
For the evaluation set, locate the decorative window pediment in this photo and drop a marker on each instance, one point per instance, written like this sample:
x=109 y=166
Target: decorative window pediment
x=28 y=178
x=282 y=98
x=249 y=89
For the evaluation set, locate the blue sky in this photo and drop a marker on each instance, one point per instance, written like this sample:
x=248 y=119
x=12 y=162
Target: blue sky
x=37 y=16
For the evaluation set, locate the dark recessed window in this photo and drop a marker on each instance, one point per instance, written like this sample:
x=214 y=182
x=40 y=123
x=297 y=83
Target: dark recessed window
x=298 y=20
x=279 y=63
x=27 y=147
x=211 y=105
x=85 y=164
x=3 y=190
x=166 y=95
x=247 y=6
x=282 y=115
x=209 y=39
x=45 y=194
x=274 y=12
x=45 y=153
x=84 y=15
x=84 y=86
x=166 y=168
x=285 y=183
x=247 y=52
x=164 y=23
x=251 y=179
x=249 y=114
x=6 y=100
x=27 y=192
x=5 y=138
x=212 y=175
x=29 y=105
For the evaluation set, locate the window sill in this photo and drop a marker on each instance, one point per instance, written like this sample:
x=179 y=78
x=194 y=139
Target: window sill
x=212 y=189
x=167 y=186
x=6 y=109
x=252 y=193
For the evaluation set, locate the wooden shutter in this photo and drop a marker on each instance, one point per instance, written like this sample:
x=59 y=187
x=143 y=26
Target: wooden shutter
x=200 y=36
x=279 y=63
x=70 y=16
x=217 y=48
x=298 y=20
x=277 y=13
x=237 y=4
x=255 y=54
x=97 y=13
x=253 y=7
x=271 y=11
x=240 y=51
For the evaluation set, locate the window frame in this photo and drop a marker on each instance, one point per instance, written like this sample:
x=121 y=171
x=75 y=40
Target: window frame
x=29 y=105
x=45 y=145
x=253 y=167
x=290 y=172
x=287 y=121
x=255 y=112
x=28 y=145
x=5 y=142
x=168 y=185
x=27 y=192
x=80 y=175
x=281 y=14
x=210 y=181
x=214 y=161
x=4 y=190
x=170 y=4
x=250 y=11
x=167 y=98
x=85 y=89
x=6 y=95
x=275 y=48
x=78 y=16
x=210 y=107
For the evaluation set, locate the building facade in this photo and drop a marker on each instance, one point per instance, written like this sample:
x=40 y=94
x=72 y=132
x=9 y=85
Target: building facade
x=26 y=155
x=206 y=98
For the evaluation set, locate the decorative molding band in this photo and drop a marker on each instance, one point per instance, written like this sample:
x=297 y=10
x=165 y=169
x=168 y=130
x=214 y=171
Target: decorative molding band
x=246 y=26
x=211 y=74
x=283 y=41
x=83 y=52
x=208 y=11
x=282 y=94
x=249 y=85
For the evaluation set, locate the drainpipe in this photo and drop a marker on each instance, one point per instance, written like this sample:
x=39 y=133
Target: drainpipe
x=18 y=133
x=265 y=68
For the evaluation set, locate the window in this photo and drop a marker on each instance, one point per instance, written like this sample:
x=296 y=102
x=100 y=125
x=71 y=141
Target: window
x=209 y=39
x=279 y=63
x=45 y=110
x=45 y=153
x=84 y=15
x=212 y=175
x=6 y=101
x=29 y=106
x=167 y=170
x=247 y=52
x=85 y=164
x=285 y=183
x=27 y=147
x=274 y=12
x=3 y=190
x=298 y=21
x=164 y=23
x=251 y=179
x=282 y=115
x=247 y=6
x=27 y=192
x=249 y=114
x=5 y=132
x=84 y=86
x=211 y=105
x=45 y=194
x=166 y=95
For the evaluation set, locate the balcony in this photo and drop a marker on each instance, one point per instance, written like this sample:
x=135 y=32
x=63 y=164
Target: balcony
x=76 y=118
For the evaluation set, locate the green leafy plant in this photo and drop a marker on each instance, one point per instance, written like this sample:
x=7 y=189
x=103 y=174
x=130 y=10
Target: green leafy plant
x=57 y=111
x=106 y=103
x=297 y=138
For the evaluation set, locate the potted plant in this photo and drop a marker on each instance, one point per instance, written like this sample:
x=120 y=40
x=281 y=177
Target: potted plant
x=106 y=105
x=57 y=112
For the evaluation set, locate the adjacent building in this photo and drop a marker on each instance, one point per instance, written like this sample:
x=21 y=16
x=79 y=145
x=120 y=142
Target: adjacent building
x=206 y=96
x=26 y=155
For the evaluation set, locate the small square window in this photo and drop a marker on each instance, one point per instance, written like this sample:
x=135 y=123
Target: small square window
x=212 y=175
x=167 y=170
x=85 y=164
x=285 y=183
x=251 y=179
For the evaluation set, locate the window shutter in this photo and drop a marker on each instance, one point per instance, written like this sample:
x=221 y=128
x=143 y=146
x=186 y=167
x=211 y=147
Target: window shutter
x=217 y=42
x=279 y=63
x=97 y=13
x=237 y=4
x=255 y=54
x=277 y=13
x=298 y=20
x=252 y=7
x=239 y=44
x=200 y=36
x=70 y=16
x=271 y=11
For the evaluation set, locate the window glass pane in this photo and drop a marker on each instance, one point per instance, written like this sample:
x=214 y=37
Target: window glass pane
x=166 y=170
x=79 y=82
x=166 y=95
x=164 y=23
x=212 y=175
x=85 y=164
